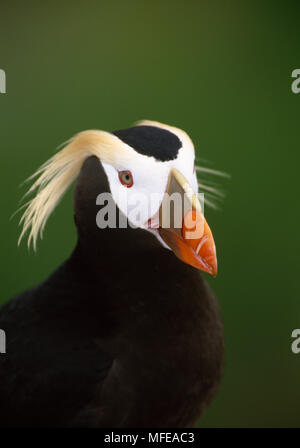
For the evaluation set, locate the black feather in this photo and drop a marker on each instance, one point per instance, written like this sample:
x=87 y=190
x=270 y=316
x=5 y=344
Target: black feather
x=151 y=141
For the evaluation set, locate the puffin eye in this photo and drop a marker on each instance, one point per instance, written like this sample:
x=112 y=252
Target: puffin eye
x=126 y=178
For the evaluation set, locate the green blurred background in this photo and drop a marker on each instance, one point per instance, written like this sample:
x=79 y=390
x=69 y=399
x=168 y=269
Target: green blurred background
x=219 y=70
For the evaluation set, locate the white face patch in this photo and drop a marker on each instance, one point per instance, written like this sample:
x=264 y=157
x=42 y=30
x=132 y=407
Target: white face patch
x=142 y=200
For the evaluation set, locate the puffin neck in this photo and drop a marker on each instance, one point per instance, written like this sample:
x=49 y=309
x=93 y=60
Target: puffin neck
x=111 y=245
x=107 y=244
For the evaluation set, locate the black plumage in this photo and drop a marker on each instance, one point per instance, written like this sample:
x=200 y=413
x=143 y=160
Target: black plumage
x=123 y=334
x=151 y=141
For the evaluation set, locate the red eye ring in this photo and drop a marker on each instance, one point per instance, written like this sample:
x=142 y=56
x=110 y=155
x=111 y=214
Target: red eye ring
x=126 y=178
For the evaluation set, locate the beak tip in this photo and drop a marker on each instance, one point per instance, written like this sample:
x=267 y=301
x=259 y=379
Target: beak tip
x=214 y=271
x=212 y=268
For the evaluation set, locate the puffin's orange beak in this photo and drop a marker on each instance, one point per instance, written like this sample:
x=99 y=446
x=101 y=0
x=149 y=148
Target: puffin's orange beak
x=184 y=229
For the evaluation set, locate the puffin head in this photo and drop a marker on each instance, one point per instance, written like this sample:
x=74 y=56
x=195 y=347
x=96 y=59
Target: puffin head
x=151 y=178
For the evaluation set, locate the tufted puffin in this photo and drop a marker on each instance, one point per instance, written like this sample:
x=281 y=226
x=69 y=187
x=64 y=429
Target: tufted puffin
x=126 y=332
